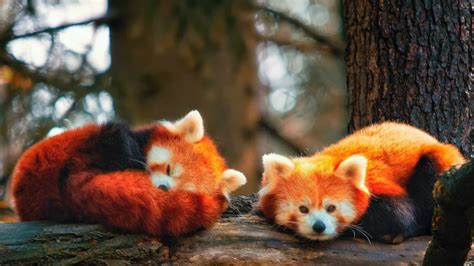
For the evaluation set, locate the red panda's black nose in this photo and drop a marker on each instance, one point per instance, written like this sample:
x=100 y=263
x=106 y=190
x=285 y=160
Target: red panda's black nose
x=319 y=227
x=163 y=187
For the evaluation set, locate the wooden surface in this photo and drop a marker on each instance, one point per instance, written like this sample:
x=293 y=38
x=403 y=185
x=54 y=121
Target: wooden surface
x=237 y=238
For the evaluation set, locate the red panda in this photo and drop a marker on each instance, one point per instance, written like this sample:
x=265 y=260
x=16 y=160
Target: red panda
x=165 y=179
x=377 y=181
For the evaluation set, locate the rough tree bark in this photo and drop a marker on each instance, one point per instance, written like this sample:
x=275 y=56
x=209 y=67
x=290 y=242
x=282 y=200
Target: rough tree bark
x=410 y=61
x=169 y=57
x=240 y=237
x=451 y=228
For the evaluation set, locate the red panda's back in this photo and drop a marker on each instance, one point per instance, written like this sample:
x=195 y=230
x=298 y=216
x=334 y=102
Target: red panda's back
x=35 y=180
x=395 y=147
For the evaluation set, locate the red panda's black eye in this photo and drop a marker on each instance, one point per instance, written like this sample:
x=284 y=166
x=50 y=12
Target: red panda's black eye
x=168 y=169
x=304 y=209
x=330 y=208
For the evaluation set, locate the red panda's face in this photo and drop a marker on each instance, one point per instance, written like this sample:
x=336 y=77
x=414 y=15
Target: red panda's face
x=180 y=157
x=309 y=196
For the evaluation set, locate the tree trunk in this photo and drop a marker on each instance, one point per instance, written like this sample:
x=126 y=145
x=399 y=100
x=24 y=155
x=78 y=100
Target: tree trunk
x=240 y=237
x=170 y=57
x=410 y=61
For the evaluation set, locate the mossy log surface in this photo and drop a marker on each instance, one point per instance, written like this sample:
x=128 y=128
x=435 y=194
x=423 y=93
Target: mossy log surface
x=454 y=196
x=241 y=236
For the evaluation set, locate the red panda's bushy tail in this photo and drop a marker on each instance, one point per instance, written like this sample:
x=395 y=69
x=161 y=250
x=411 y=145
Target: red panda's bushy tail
x=128 y=200
x=444 y=156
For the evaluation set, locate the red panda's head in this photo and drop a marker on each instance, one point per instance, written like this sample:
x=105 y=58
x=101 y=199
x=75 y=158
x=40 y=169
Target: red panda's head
x=316 y=197
x=181 y=157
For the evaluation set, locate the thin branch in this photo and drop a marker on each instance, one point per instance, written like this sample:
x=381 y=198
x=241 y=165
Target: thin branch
x=302 y=46
x=333 y=47
x=97 y=21
x=51 y=78
x=270 y=129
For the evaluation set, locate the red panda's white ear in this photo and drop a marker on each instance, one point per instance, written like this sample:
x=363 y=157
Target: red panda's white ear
x=355 y=169
x=275 y=166
x=190 y=127
x=232 y=180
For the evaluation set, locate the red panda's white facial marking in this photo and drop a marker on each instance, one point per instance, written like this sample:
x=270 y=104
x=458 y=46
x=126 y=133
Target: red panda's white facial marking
x=176 y=170
x=167 y=169
x=311 y=197
x=172 y=161
x=347 y=210
x=163 y=170
x=164 y=182
x=158 y=155
x=182 y=158
x=316 y=223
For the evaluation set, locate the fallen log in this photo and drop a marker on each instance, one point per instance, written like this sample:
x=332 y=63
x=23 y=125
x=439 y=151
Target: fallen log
x=454 y=197
x=241 y=236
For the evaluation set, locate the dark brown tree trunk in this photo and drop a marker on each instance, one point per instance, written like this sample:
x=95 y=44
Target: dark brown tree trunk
x=410 y=61
x=170 y=57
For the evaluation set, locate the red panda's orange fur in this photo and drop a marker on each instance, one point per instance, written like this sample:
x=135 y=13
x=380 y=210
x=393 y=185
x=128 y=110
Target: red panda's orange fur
x=393 y=150
x=213 y=164
x=124 y=198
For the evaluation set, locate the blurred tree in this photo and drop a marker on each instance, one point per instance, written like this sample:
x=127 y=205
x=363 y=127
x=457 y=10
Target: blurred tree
x=301 y=64
x=166 y=59
x=410 y=61
x=42 y=82
x=169 y=57
x=59 y=69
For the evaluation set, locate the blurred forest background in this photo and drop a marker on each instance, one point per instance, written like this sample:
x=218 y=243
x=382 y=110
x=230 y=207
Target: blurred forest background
x=267 y=76
x=285 y=76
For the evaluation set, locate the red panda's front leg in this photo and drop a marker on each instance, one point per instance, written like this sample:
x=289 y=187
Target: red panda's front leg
x=128 y=200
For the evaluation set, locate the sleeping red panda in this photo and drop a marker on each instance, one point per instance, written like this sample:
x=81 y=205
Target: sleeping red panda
x=165 y=179
x=377 y=181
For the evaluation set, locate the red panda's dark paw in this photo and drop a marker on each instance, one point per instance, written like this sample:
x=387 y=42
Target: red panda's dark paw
x=222 y=201
x=393 y=239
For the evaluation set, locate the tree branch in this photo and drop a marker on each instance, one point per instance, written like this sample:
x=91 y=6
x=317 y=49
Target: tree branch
x=301 y=46
x=50 y=78
x=333 y=47
x=97 y=21
x=270 y=129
